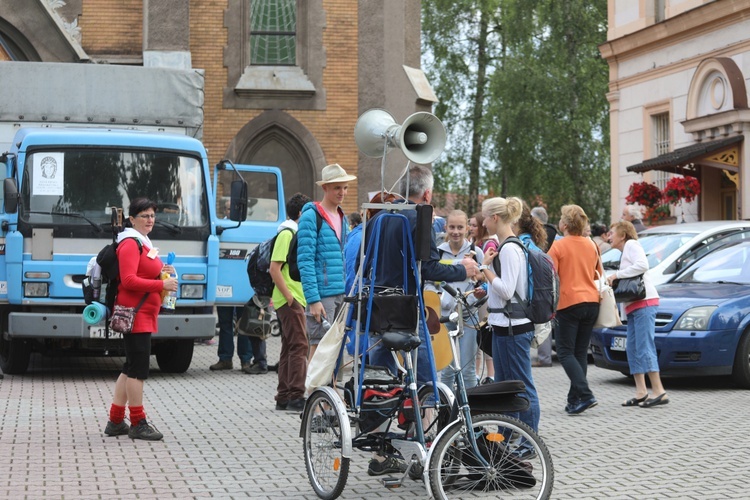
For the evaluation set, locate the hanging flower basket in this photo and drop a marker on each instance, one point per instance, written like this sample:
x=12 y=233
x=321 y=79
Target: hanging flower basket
x=656 y=214
x=679 y=189
x=644 y=194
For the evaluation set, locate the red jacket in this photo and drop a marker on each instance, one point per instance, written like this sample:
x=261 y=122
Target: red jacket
x=140 y=274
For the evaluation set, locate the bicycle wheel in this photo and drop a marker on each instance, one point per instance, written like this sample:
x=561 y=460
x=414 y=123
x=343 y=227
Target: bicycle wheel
x=520 y=465
x=327 y=468
x=435 y=413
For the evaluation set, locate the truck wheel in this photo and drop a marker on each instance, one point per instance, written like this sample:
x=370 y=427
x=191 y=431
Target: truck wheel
x=174 y=356
x=741 y=369
x=14 y=356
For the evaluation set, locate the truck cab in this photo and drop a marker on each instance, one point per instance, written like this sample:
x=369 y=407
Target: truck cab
x=61 y=188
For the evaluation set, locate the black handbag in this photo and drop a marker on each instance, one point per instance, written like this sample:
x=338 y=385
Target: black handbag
x=484 y=338
x=629 y=289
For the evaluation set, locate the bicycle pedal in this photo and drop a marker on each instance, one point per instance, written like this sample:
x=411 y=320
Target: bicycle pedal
x=391 y=482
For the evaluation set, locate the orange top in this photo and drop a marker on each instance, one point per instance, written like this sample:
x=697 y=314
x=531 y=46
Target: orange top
x=576 y=258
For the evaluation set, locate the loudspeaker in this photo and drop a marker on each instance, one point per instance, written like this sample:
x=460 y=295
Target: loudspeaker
x=421 y=137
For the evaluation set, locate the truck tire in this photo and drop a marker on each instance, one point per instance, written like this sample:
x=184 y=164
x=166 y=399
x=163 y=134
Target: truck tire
x=174 y=356
x=14 y=356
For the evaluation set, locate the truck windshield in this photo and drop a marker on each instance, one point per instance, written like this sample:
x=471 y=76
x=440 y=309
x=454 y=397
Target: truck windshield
x=88 y=182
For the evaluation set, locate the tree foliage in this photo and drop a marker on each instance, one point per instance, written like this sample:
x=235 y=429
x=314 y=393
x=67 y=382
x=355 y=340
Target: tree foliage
x=522 y=92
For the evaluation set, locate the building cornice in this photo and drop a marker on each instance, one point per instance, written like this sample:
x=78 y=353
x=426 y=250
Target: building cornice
x=688 y=25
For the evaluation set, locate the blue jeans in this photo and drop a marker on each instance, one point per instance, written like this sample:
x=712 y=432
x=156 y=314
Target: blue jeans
x=512 y=361
x=641 y=348
x=226 y=337
x=467 y=347
x=572 y=338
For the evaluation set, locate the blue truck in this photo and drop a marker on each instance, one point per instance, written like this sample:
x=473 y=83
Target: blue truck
x=64 y=186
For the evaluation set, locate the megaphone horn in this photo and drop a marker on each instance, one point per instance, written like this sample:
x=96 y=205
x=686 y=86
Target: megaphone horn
x=372 y=130
x=421 y=137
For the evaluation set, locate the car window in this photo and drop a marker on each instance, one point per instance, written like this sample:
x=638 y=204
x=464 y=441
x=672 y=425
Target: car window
x=710 y=244
x=658 y=246
x=729 y=263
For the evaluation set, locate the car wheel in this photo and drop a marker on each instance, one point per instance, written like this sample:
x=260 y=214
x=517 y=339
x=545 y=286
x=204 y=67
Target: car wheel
x=741 y=369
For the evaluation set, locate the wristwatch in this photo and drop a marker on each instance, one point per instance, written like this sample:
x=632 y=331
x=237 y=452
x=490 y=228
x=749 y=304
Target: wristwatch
x=483 y=267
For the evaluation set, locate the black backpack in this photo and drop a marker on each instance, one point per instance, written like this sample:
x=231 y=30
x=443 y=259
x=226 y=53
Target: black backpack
x=544 y=287
x=258 y=266
x=291 y=257
x=107 y=260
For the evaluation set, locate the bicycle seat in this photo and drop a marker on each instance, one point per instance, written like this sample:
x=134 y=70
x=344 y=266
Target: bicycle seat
x=400 y=341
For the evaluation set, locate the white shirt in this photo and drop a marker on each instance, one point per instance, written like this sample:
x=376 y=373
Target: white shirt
x=634 y=263
x=514 y=278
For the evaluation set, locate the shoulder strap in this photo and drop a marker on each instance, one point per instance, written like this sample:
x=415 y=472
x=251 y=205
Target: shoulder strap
x=496 y=267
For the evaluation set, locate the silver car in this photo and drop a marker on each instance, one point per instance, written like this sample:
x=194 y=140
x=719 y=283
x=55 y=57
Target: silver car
x=673 y=247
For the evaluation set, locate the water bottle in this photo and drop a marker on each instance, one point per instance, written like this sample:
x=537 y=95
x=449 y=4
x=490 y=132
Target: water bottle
x=96 y=282
x=325 y=324
x=170 y=298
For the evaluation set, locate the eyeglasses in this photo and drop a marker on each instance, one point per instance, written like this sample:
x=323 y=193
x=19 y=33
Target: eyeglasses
x=146 y=216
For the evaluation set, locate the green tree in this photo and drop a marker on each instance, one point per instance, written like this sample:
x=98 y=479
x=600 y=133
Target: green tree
x=462 y=58
x=538 y=125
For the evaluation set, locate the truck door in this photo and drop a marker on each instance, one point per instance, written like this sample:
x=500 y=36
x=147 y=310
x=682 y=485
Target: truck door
x=266 y=210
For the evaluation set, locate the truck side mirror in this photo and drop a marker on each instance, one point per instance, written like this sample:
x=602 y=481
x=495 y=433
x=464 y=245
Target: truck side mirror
x=238 y=203
x=10 y=195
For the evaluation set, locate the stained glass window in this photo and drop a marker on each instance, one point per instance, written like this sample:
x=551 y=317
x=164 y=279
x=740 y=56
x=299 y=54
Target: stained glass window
x=273 y=30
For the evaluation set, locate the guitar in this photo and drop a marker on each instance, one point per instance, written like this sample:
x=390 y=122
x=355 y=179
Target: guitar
x=441 y=348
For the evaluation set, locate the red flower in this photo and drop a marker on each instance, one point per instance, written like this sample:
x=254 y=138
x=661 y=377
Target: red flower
x=644 y=193
x=681 y=189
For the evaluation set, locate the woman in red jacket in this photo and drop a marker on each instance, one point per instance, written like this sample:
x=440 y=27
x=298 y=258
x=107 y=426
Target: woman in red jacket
x=140 y=280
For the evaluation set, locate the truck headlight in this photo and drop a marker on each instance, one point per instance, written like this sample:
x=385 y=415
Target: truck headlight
x=696 y=318
x=191 y=291
x=33 y=289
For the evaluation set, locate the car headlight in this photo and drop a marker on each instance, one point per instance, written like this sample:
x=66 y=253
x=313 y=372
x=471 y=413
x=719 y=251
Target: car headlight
x=191 y=291
x=695 y=318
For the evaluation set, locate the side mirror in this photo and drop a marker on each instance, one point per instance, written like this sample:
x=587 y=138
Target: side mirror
x=238 y=202
x=10 y=195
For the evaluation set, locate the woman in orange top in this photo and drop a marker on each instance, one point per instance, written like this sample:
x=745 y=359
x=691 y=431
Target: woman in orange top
x=576 y=258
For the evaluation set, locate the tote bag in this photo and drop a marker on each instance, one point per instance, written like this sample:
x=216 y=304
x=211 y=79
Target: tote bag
x=320 y=369
x=609 y=315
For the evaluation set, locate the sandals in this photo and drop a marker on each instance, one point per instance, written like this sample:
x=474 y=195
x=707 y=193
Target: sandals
x=662 y=399
x=635 y=401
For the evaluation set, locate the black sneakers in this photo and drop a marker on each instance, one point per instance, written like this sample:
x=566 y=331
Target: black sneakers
x=144 y=431
x=113 y=429
x=388 y=466
x=295 y=405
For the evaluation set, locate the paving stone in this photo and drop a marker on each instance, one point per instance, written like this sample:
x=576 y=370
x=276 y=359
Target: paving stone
x=223 y=438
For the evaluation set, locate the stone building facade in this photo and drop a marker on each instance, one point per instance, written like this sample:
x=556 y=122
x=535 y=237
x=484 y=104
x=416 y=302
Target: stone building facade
x=297 y=113
x=678 y=100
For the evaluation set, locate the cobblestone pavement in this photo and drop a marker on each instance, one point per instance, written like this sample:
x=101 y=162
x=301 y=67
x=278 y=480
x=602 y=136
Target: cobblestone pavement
x=223 y=438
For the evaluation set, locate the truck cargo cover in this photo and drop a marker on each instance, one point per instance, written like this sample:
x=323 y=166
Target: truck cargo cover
x=101 y=94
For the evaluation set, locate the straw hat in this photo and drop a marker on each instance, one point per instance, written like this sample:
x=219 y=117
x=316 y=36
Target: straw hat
x=334 y=173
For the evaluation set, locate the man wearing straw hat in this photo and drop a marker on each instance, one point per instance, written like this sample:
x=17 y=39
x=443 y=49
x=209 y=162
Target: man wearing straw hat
x=320 y=253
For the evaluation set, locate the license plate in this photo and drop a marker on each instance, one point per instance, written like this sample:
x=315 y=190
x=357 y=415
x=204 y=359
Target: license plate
x=619 y=343
x=100 y=332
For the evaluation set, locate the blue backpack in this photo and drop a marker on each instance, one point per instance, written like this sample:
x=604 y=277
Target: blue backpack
x=544 y=287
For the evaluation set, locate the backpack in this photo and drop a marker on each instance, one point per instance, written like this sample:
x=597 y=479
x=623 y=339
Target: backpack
x=258 y=265
x=544 y=287
x=291 y=257
x=107 y=260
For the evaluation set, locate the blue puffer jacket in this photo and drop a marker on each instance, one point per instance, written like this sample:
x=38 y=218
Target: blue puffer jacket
x=320 y=255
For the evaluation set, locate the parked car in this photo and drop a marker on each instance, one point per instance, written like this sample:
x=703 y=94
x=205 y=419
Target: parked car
x=671 y=248
x=703 y=319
